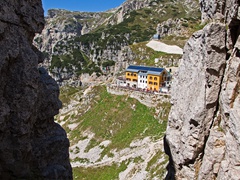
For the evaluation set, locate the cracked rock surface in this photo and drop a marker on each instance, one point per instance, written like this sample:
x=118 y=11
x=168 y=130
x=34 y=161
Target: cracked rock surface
x=202 y=135
x=32 y=145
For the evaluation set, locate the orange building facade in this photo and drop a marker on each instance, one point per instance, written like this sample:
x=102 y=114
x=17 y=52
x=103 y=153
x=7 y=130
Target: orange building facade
x=155 y=77
x=130 y=76
x=155 y=82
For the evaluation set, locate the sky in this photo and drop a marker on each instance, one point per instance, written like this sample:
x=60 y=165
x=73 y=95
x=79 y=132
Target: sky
x=81 y=5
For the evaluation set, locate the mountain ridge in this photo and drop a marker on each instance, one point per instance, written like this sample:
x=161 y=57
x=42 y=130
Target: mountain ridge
x=106 y=36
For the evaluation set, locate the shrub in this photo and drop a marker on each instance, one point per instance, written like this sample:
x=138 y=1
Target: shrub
x=108 y=63
x=185 y=24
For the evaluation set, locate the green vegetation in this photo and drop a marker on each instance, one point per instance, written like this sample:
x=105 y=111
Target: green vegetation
x=91 y=68
x=127 y=32
x=156 y=168
x=38 y=40
x=80 y=160
x=141 y=50
x=113 y=118
x=119 y=119
x=67 y=93
x=74 y=62
x=175 y=40
x=138 y=26
x=108 y=63
x=101 y=173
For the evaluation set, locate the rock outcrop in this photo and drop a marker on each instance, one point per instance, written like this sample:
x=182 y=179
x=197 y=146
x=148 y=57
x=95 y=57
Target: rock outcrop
x=62 y=25
x=173 y=27
x=32 y=145
x=202 y=137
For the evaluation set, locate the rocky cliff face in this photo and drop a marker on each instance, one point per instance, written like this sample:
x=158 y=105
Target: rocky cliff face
x=62 y=25
x=32 y=145
x=76 y=43
x=132 y=5
x=128 y=6
x=202 y=137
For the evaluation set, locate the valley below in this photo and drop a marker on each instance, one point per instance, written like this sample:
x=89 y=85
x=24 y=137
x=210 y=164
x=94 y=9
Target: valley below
x=147 y=90
x=114 y=136
x=115 y=133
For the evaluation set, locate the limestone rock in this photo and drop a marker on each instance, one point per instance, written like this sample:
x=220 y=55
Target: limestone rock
x=62 y=25
x=230 y=106
x=103 y=36
x=131 y=5
x=202 y=137
x=172 y=27
x=211 y=161
x=195 y=94
x=32 y=145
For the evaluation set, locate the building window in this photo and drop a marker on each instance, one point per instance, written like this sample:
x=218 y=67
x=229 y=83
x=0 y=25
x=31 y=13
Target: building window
x=135 y=75
x=150 y=82
x=151 y=77
x=155 y=78
x=155 y=83
x=128 y=74
x=140 y=81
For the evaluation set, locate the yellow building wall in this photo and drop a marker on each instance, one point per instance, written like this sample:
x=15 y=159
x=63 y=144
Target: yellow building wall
x=131 y=76
x=155 y=82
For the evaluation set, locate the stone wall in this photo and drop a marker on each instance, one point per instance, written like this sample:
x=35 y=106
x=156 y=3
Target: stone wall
x=146 y=98
x=32 y=145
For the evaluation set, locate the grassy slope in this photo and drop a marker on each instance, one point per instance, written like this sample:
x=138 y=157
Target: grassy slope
x=101 y=173
x=112 y=118
x=146 y=56
x=117 y=118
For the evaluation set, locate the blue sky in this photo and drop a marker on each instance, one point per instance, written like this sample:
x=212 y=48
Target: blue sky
x=81 y=5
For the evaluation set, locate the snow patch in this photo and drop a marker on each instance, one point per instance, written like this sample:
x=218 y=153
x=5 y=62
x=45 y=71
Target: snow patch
x=159 y=46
